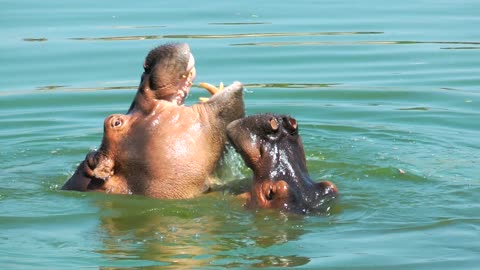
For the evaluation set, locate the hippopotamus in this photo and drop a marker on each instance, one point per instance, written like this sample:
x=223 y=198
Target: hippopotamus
x=271 y=146
x=161 y=148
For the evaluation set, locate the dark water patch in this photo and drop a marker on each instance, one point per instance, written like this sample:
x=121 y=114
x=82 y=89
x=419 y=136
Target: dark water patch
x=474 y=92
x=66 y=88
x=51 y=87
x=461 y=48
x=134 y=26
x=290 y=85
x=35 y=39
x=415 y=109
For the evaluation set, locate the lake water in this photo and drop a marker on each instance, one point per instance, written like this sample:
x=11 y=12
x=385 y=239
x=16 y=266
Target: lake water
x=387 y=96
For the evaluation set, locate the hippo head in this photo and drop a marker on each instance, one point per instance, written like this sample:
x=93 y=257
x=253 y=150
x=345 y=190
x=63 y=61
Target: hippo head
x=271 y=146
x=169 y=71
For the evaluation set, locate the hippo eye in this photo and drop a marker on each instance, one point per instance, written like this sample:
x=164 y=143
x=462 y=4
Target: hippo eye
x=291 y=125
x=186 y=75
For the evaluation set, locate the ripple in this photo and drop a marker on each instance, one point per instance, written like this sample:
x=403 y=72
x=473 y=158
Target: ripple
x=35 y=39
x=291 y=85
x=51 y=87
x=134 y=27
x=224 y=36
x=415 y=109
x=340 y=43
x=461 y=48
x=238 y=23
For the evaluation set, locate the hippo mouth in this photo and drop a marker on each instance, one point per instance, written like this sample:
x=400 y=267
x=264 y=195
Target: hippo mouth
x=279 y=194
x=186 y=80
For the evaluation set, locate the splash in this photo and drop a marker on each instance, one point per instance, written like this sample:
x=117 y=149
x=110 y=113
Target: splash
x=231 y=166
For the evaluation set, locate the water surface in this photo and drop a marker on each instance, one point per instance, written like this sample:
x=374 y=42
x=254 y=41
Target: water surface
x=386 y=96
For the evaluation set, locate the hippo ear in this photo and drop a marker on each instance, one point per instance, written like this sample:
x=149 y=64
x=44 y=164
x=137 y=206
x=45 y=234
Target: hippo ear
x=291 y=125
x=326 y=188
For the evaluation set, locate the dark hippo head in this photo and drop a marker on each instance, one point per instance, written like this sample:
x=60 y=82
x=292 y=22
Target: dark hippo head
x=169 y=71
x=271 y=146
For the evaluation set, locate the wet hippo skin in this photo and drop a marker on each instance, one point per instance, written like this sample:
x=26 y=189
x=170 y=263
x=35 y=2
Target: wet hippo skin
x=271 y=146
x=161 y=148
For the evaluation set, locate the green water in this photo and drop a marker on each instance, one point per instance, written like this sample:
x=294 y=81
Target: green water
x=387 y=96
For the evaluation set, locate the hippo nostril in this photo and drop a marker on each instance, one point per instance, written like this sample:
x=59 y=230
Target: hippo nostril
x=269 y=195
x=117 y=123
x=274 y=124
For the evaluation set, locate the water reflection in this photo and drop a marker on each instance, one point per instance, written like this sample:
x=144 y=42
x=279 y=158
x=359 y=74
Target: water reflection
x=212 y=230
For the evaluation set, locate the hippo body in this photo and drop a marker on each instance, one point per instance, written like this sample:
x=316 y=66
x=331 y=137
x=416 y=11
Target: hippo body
x=271 y=146
x=161 y=148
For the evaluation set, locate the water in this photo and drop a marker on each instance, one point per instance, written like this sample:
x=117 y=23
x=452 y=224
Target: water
x=386 y=95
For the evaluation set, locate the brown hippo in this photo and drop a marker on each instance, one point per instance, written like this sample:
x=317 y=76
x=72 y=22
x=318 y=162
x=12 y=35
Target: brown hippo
x=161 y=148
x=271 y=146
